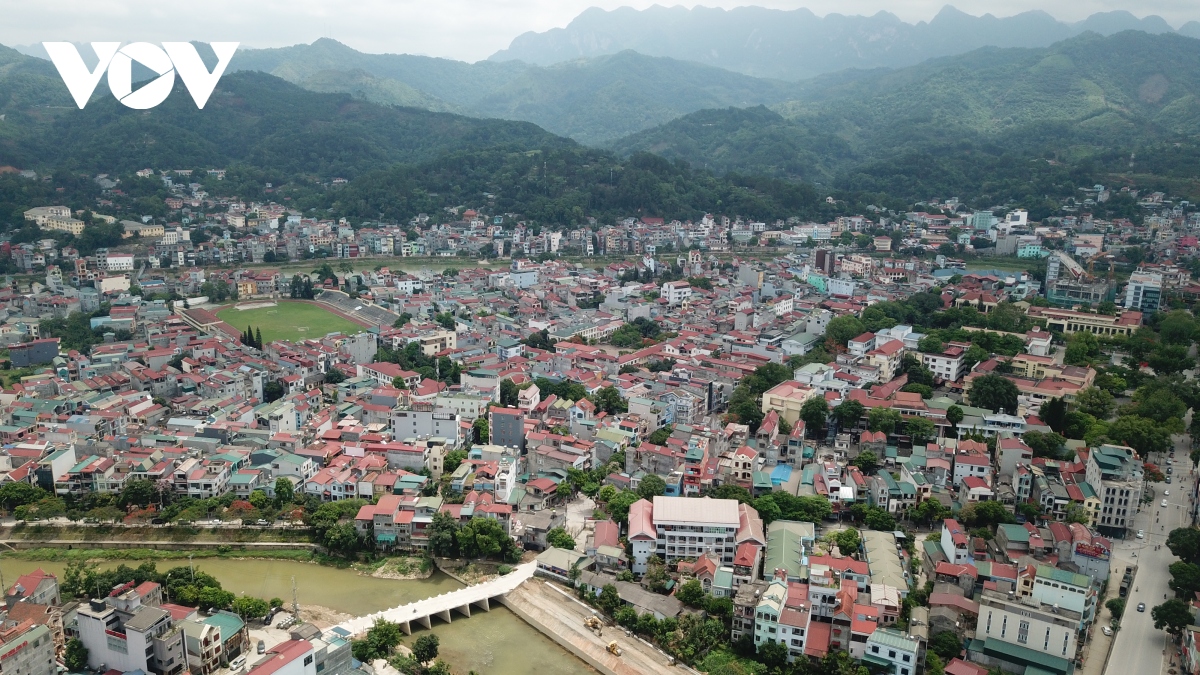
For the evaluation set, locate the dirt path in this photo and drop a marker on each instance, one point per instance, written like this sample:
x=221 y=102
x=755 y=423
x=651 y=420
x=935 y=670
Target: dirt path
x=563 y=616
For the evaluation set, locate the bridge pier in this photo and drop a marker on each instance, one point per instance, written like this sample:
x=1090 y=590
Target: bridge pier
x=444 y=615
x=483 y=604
x=424 y=621
x=406 y=627
x=465 y=610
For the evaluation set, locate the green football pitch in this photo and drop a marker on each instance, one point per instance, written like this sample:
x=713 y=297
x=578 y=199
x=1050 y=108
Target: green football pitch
x=288 y=321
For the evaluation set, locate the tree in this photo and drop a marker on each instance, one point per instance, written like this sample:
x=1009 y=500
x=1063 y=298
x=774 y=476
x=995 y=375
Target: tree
x=1173 y=616
x=76 y=656
x=272 y=391
x=140 y=493
x=921 y=430
x=250 y=608
x=848 y=413
x=1044 y=443
x=841 y=330
x=610 y=401
x=482 y=430
x=1082 y=349
x=651 y=486
x=1184 y=543
x=558 y=538
x=285 y=492
x=1177 y=328
x=994 y=392
x=608 y=600
x=258 y=341
x=930 y=344
x=443 y=533
x=1054 y=413
x=1185 y=578
x=848 y=540
x=867 y=462
x=1076 y=513
x=425 y=648
x=946 y=645
x=606 y=493
x=1094 y=401
x=691 y=593
x=618 y=506
x=334 y=376
x=883 y=419
x=1116 y=607
x=954 y=415
x=773 y=655
x=1141 y=434
x=814 y=412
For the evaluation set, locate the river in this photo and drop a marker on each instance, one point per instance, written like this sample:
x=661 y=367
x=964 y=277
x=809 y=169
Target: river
x=494 y=643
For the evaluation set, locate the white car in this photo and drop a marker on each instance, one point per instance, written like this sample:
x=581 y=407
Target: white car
x=1106 y=630
x=238 y=663
x=1164 y=504
x=1141 y=534
x=1166 y=493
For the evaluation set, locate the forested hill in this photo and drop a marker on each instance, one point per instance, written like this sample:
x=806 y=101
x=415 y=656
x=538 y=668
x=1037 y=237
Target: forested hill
x=565 y=185
x=591 y=100
x=796 y=44
x=251 y=119
x=960 y=121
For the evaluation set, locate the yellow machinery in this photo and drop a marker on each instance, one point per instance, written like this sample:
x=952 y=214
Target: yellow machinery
x=614 y=649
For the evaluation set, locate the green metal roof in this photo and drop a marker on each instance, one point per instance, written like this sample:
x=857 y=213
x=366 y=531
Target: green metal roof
x=230 y=624
x=1023 y=656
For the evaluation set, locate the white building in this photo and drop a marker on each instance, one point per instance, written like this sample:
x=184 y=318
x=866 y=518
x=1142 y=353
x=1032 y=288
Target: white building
x=425 y=424
x=676 y=292
x=689 y=528
x=950 y=365
x=122 y=634
x=120 y=262
x=1025 y=622
x=1144 y=292
x=896 y=652
x=294 y=657
x=1115 y=474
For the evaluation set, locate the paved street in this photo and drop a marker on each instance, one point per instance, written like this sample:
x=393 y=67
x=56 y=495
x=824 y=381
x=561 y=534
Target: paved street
x=1139 y=647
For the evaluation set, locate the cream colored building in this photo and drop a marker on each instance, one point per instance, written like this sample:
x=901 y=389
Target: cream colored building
x=787 y=399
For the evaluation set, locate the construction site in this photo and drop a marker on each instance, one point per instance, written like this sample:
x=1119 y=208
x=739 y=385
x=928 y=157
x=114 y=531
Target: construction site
x=1068 y=283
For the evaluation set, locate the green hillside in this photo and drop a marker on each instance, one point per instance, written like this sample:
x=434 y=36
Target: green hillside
x=591 y=100
x=967 y=125
x=253 y=119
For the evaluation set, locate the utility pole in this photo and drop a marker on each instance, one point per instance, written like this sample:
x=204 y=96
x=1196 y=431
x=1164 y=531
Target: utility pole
x=191 y=568
x=295 y=602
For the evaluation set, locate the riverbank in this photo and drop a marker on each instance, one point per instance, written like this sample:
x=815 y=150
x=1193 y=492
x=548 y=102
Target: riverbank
x=558 y=616
x=159 y=534
x=495 y=642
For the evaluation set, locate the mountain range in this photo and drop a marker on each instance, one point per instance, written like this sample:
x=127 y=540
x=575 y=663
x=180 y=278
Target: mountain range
x=591 y=100
x=252 y=118
x=1078 y=98
x=797 y=44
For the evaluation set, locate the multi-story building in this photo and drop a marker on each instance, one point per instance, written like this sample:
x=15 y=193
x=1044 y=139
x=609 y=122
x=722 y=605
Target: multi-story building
x=121 y=633
x=689 y=528
x=1012 y=627
x=676 y=292
x=894 y=652
x=27 y=649
x=1068 y=321
x=442 y=423
x=507 y=427
x=1115 y=474
x=950 y=365
x=1144 y=292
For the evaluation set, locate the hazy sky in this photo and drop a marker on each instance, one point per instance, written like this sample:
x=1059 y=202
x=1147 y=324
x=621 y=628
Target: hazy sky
x=462 y=29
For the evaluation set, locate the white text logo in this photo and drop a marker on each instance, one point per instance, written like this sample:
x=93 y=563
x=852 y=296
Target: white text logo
x=173 y=57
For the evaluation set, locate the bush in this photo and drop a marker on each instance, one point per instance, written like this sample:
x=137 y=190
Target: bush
x=504 y=569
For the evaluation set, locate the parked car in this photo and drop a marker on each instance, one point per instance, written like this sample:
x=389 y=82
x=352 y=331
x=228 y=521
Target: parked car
x=1168 y=480
x=1141 y=534
x=1106 y=630
x=1163 y=504
x=1166 y=493
x=1141 y=606
x=262 y=522
x=240 y=662
x=262 y=647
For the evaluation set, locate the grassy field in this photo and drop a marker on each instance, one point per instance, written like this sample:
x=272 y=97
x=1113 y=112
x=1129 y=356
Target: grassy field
x=288 y=321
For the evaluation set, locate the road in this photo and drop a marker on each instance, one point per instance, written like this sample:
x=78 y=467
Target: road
x=1139 y=647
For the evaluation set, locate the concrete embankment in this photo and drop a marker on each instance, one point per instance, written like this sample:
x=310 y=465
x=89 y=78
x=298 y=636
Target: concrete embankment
x=560 y=618
x=27 y=544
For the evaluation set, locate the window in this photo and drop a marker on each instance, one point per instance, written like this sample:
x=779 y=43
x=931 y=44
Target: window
x=308 y=660
x=1023 y=632
x=1004 y=626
